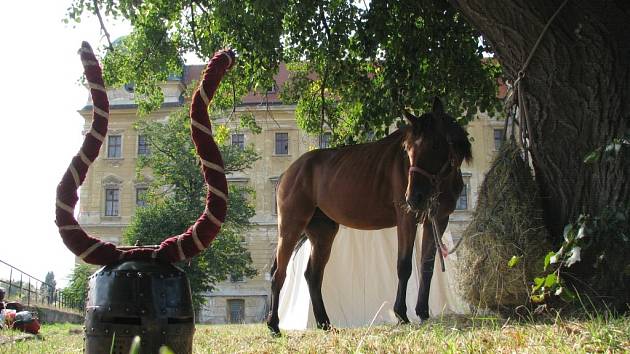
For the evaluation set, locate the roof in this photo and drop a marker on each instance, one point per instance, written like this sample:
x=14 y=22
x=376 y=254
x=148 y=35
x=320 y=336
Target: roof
x=193 y=73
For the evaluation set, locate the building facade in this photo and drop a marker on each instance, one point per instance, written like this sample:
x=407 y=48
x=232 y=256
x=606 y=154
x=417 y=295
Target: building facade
x=113 y=188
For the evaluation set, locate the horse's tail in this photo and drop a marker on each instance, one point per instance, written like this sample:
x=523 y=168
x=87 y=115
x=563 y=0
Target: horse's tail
x=176 y=248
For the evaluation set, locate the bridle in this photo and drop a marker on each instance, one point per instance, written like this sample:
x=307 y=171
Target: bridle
x=434 y=199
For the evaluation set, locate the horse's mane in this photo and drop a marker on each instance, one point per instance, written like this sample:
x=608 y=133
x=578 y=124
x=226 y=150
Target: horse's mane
x=459 y=138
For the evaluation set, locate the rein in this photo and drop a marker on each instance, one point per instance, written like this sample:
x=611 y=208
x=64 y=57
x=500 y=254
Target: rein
x=434 y=203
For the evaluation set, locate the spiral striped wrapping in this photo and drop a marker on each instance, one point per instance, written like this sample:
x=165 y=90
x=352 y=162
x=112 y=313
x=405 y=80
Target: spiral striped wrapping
x=175 y=248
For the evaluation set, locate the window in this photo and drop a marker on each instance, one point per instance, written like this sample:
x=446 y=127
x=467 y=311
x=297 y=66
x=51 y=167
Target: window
x=143 y=146
x=238 y=139
x=129 y=87
x=236 y=310
x=234 y=278
x=141 y=196
x=462 y=201
x=324 y=140
x=282 y=143
x=114 y=147
x=112 y=198
x=498 y=138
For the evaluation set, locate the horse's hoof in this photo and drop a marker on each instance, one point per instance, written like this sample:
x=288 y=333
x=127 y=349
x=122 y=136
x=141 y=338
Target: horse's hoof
x=327 y=327
x=423 y=321
x=402 y=319
x=423 y=318
x=324 y=326
x=275 y=330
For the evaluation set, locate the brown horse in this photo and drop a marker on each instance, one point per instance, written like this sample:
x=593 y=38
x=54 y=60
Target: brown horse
x=368 y=187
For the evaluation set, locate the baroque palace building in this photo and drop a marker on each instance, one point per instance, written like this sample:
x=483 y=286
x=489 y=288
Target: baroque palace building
x=113 y=188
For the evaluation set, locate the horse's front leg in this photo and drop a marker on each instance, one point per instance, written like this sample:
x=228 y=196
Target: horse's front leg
x=288 y=237
x=427 y=262
x=407 y=227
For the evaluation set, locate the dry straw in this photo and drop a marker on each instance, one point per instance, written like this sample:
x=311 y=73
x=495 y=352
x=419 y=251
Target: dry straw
x=507 y=222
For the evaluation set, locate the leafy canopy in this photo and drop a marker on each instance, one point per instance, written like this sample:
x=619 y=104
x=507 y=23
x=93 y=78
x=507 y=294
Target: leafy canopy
x=355 y=65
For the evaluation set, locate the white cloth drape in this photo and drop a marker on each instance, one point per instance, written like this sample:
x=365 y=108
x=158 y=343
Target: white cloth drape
x=360 y=278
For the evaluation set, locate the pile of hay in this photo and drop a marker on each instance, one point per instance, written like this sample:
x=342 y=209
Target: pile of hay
x=507 y=222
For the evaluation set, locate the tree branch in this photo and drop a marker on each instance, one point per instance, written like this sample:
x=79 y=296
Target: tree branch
x=203 y=9
x=322 y=15
x=97 y=12
x=193 y=27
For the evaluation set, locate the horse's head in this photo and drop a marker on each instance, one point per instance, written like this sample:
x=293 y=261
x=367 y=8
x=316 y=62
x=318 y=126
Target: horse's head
x=435 y=145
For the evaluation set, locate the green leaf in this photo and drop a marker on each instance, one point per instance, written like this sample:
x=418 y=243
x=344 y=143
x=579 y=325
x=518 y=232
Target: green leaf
x=538 y=283
x=568 y=233
x=222 y=134
x=248 y=121
x=551 y=280
x=548 y=259
x=538 y=298
x=566 y=294
x=592 y=157
x=515 y=260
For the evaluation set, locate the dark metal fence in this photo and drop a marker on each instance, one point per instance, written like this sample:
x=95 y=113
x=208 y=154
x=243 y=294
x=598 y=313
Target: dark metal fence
x=28 y=290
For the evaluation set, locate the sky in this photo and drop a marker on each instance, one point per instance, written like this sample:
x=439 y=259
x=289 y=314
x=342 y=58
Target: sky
x=40 y=129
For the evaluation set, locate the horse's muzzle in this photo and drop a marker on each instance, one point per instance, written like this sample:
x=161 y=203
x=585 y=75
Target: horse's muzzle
x=415 y=201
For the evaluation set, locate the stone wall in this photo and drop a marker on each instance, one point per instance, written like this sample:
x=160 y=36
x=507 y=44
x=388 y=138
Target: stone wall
x=52 y=315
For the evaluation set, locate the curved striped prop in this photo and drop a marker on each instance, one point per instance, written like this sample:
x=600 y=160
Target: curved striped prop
x=176 y=248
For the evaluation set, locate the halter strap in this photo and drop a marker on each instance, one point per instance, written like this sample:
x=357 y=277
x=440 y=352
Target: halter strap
x=433 y=178
x=436 y=178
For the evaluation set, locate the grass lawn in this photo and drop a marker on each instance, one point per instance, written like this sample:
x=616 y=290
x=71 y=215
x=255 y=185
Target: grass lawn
x=448 y=335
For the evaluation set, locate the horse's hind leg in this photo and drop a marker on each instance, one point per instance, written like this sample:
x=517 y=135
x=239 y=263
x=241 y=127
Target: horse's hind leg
x=288 y=236
x=321 y=233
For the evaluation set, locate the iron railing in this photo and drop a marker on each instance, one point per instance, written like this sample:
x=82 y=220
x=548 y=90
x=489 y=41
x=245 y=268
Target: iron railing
x=30 y=291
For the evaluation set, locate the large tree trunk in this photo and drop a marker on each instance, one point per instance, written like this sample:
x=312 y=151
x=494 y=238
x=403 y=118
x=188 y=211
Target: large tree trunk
x=576 y=92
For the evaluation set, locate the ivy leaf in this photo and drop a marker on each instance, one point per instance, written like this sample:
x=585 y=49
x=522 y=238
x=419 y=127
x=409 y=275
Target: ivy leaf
x=551 y=280
x=593 y=157
x=538 y=283
x=568 y=233
x=548 y=258
x=538 y=298
x=565 y=294
x=515 y=260
x=574 y=256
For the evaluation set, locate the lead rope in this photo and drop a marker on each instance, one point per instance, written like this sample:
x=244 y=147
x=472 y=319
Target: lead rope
x=515 y=97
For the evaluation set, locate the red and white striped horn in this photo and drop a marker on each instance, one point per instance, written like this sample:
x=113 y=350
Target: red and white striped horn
x=176 y=248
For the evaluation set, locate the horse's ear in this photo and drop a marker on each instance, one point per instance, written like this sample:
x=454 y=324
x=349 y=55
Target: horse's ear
x=438 y=114
x=410 y=117
x=438 y=107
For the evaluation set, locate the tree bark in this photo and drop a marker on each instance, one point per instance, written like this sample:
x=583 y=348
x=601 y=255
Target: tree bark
x=575 y=91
